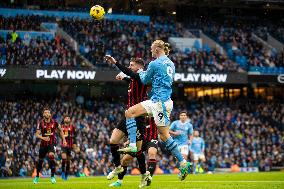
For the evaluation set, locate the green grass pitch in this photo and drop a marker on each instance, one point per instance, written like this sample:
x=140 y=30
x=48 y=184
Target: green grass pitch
x=208 y=181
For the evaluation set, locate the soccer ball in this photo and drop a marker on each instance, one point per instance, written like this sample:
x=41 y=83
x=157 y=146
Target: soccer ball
x=97 y=12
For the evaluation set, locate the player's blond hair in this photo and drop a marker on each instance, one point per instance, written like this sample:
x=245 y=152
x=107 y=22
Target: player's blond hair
x=161 y=44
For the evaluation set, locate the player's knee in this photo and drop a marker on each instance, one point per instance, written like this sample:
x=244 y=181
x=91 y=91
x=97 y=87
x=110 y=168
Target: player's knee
x=164 y=134
x=51 y=156
x=152 y=153
x=163 y=137
x=127 y=114
x=113 y=141
x=125 y=161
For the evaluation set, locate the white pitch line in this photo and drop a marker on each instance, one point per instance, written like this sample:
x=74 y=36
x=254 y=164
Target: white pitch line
x=194 y=181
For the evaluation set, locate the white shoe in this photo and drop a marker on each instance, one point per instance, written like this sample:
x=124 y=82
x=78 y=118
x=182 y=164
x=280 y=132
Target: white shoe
x=115 y=172
x=145 y=178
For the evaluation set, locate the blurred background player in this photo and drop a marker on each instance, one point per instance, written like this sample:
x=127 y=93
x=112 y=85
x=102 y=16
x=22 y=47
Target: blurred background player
x=70 y=137
x=159 y=74
x=197 y=149
x=149 y=145
x=45 y=131
x=182 y=131
x=137 y=92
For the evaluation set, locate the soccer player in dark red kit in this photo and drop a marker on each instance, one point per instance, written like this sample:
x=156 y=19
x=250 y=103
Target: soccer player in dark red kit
x=45 y=131
x=137 y=92
x=70 y=137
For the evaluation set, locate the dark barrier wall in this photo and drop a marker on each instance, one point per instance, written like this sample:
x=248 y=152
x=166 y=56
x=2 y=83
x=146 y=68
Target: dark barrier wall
x=87 y=75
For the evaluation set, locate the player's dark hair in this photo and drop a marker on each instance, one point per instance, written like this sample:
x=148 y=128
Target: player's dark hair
x=139 y=61
x=45 y=108
x=183 y=112
x=66 y=115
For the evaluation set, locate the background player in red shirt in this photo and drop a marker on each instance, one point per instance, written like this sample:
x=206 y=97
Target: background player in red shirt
x=45 y=131
x=70 y=137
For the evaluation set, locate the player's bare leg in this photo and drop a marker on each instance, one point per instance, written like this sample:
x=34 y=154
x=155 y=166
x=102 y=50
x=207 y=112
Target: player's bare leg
x=116 y=136
x=130 y=114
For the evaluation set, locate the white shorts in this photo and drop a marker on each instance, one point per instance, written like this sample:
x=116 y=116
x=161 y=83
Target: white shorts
x=197 y=157
x=184 y=149
x=156 y=110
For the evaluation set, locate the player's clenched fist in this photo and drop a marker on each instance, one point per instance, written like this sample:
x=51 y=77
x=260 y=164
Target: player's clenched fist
x=110 y=59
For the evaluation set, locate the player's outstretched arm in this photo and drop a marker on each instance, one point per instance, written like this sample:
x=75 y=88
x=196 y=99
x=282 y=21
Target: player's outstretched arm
x=121 y=76
x=122 y=68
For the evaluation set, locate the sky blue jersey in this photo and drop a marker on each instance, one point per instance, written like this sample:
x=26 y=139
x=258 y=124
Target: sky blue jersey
x=160 y=73
x=185 y=130
x=197 y=145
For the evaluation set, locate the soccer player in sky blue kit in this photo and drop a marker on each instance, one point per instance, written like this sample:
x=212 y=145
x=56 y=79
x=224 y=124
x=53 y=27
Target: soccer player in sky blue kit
x=197 y=149
x=160 y=75
x=182 y=131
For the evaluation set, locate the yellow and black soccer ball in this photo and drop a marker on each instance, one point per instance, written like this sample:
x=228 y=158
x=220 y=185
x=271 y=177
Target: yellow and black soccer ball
x=97 y=12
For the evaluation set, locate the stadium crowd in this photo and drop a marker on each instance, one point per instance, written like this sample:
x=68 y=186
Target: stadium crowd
x=133 y=39
x=126 y=39
x=24 y=23
x=130 y=39
x=236 y=35
x=246 y=49
x=242 y=132
x=36 y=51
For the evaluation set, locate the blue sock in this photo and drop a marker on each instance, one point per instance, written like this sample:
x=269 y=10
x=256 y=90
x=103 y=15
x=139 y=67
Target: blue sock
x=194 y=168
x=131 y=129
x=172 y=146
